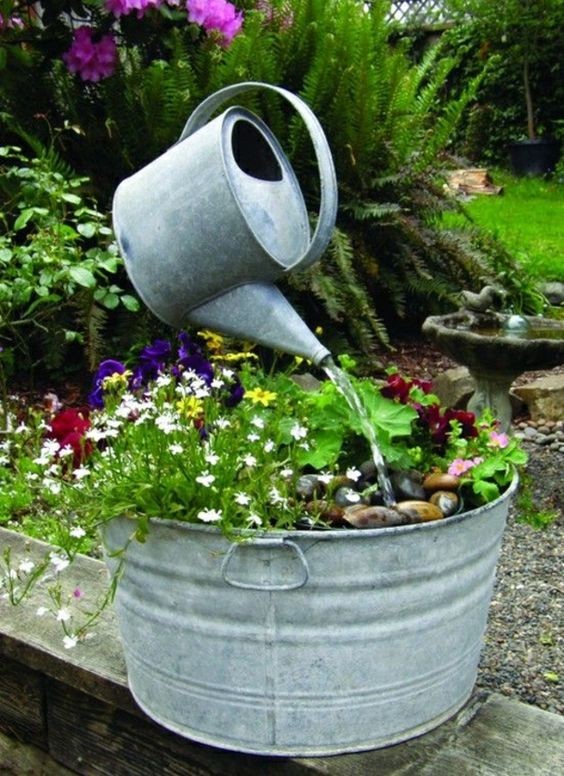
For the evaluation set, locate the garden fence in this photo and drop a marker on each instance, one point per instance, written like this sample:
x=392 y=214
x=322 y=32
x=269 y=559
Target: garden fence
x=418 y=12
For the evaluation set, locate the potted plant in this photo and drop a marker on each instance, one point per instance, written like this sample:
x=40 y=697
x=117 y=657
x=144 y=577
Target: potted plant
x=268 y=602
x=521 y=32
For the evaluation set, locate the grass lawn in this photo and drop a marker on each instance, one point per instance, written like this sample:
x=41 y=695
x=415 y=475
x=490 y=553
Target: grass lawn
x=528 y=218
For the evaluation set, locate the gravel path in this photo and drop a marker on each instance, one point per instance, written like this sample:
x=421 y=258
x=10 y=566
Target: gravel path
x=523 y=655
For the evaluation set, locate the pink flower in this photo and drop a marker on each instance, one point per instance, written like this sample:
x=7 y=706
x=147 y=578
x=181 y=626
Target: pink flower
x=498 y=439
x=10 y=22
x=77 y=593
x=123 y=7
x=460 y=466
x=92 y=60
x=218 y=16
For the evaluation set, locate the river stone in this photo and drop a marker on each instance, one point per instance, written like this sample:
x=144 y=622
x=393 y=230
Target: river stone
x=440 y=481
x=361 y=516
x=554 y=292
x=347 y=497
x=326 y=510
x=368 y=471
x=408 y=485
x=420 y=511
x=308 y=486
x=446 y=501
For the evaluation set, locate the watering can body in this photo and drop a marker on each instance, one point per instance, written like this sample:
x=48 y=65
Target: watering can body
x=208 y=227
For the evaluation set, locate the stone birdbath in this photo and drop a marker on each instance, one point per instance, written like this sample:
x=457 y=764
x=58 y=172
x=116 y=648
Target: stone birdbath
x=496 y=349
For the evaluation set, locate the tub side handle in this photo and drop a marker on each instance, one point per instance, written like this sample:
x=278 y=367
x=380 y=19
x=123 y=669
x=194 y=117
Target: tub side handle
x=292 y=546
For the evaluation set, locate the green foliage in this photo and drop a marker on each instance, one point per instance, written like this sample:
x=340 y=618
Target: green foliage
x=522 y=92
x=388 y=121
x=59 y=266
x=528 y=508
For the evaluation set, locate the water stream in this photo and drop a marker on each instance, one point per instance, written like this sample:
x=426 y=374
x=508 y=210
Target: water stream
x=341 y=381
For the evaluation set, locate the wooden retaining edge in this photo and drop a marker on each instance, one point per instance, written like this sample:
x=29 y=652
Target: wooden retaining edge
x=71 y=711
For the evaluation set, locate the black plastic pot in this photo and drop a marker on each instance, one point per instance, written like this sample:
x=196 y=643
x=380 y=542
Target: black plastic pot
x=534 y=157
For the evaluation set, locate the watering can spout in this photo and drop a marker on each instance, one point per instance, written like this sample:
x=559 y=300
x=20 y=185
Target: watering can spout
x=268 y=319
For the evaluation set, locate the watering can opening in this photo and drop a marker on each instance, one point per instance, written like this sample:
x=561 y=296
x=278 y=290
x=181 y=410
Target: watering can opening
x=265 y=189
x=252 y=153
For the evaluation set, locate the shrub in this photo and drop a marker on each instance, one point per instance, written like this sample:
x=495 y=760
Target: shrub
x=59 y=266
x=388 y=121
x=522 y=93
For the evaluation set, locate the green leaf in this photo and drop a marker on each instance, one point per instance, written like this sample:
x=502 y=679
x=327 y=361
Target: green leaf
x=130 y=303
x=110 y=264
x=23 y=218
x=72 y=198
x=551 y=676
x=6 y=254
x=488 y=491
x=86 y=230
x=389 y=416
x=110 y=301
x=325 y=447
x=82 y=276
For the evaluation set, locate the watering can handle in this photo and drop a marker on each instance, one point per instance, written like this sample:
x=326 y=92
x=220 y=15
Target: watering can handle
x=328 y=198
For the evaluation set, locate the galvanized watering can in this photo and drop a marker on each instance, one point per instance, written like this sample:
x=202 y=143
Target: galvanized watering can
x=206 y=228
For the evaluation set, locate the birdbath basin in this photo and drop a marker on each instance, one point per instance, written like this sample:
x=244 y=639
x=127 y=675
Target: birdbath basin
x=495 y=353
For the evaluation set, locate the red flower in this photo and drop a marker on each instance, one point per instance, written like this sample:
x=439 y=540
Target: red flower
x=439 y=425
x=68 y=427
x=466 y=419
x=396 y=388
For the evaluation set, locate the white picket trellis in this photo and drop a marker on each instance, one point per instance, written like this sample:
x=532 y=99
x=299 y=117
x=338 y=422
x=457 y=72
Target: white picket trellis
x=418 y=11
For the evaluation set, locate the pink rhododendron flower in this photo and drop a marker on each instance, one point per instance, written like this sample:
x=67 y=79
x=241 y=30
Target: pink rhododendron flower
x=498 y=439
x=123 y=7
x=91 y=60
x=218 y=16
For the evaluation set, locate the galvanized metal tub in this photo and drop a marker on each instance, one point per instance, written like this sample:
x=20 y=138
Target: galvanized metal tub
x=307 y=643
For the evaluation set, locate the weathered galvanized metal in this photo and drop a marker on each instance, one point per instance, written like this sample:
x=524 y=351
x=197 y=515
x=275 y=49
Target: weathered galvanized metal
x=307 y=643
x=207 y=228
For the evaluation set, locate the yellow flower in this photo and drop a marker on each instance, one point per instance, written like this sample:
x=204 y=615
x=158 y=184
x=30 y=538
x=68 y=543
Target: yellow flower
x=241 y=356
x=116 y=382
x=214 y=341
x=190 y=407
x=260 y=396
x=319 y=330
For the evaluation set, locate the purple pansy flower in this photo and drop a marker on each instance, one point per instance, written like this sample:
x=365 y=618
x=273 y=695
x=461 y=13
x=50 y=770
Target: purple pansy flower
x=107 y=368
x=236 y=393
x=152 y=361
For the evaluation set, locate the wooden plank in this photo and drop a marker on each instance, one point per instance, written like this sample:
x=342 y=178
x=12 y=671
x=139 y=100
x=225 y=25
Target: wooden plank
x=22 y=712
x=95 y=739
x=492 y=736
x=17 y=759
x=473 y=180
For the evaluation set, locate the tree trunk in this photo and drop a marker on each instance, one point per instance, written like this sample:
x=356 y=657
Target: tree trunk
x=528 y=100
